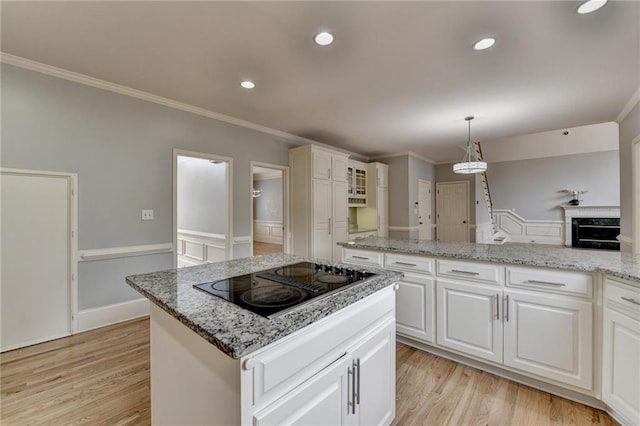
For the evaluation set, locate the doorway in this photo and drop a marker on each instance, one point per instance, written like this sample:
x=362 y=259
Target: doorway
x=269 y=210
x=39 y=224
x=424 y=210
x=202 y=219
x=452 y=211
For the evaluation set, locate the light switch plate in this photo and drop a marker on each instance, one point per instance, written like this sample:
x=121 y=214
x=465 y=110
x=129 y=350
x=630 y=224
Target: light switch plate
x=147 y=214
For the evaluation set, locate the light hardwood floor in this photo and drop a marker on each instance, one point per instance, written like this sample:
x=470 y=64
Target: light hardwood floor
x=265 y=248
x=102 y=377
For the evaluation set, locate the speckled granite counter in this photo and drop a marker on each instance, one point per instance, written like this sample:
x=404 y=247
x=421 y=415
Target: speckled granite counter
x=232 y=329
x=621 y=265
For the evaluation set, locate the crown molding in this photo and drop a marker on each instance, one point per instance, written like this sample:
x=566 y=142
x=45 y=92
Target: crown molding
x=402 y=154
x=633 y=101
x=30 y=65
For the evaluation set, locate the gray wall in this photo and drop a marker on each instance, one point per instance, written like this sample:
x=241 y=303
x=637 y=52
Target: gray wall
x=531 y=187
x=269 y=205
x=202 y=195
x=121 y=148
x=629 y=130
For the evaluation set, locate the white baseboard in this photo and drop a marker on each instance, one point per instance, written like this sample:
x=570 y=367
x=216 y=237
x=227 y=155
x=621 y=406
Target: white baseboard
x=88 y=319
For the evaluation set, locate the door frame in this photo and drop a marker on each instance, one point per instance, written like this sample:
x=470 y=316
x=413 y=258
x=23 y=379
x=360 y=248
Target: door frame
x=72 y=192
x=430 y=226
x=229 y=184
x=466 y=182
x=285 y=201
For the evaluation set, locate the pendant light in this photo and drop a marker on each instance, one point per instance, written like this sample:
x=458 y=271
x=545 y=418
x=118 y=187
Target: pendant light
x=470 y=162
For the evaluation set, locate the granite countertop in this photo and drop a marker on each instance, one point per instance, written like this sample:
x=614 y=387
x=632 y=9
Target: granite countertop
x=232 y=329
x=613 y=263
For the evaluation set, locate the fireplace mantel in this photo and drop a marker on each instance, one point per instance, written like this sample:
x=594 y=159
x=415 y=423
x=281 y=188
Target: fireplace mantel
x=585 y=211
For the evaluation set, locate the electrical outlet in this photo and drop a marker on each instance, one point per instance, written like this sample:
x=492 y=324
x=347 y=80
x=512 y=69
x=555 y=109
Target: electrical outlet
x=147 y=214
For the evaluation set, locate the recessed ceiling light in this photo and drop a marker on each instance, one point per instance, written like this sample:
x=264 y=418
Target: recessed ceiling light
x=590 y=6
x=248 y=84
x=483 y=44
x=323 y=38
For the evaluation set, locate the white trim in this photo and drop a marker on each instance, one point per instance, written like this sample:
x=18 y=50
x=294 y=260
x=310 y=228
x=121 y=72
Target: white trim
x=118 y=252
x=635 y=195
x=246 y=239
x=72 y=179
x=633 y=101
x=229 y=188
x=403 y=228
x=88 y=319
x=624 y=239
x=273 y=234
x=286 y=205
x=197 y=248
x=402 y=154
x=523 y=230
x=275 y=174
x=201 y=234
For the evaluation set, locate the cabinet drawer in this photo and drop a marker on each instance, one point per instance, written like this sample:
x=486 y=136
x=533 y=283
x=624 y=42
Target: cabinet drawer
x=622 y=295
x=471 y=271
x=551 y=281
x=403 y=262
x=362 y=257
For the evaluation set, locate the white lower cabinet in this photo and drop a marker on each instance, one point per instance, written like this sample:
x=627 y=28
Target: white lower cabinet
x=549 y=336
x=621 y=350
x=414 y=306
x=468 y=319
x=356 y=389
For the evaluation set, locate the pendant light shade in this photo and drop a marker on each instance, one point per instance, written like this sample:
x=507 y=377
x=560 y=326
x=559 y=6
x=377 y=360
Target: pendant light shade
x=470 y=162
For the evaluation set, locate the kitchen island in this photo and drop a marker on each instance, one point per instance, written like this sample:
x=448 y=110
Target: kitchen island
x=213 y=362
x=559 y=319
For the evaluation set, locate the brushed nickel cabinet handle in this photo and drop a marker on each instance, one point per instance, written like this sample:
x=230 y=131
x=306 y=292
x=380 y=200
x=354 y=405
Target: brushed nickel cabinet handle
x=546 y=283
x=404 y=264
x=351 y=403
x=353 y=388
x=506 y=316
x=457 y=271
x=358 y=382
x=497 y=306
x=360 y=257
x=630 y=300
x=329 y=229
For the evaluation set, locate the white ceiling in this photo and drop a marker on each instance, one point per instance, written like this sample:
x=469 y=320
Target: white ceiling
x=400 y=76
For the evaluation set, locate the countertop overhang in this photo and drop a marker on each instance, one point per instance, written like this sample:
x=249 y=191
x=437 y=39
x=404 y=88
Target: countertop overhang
x=613 y=263
x=232 y=329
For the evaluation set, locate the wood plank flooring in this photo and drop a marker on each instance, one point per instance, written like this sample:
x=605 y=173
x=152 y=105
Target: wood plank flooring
x=102 y=377
x=266 y=248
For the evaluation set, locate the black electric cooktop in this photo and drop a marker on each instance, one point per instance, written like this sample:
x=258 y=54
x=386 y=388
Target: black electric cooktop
x=274 y=292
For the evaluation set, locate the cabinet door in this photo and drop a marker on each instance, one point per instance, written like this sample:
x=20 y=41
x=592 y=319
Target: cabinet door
x=321 y=165
x=339 y=168
x=322 y=400
x=382 y=175
x=322 y=247
x=549 y=336
x=375 y=360
x=468 y=319
x=339 y=223
x=621 y=363
x=415 y=307
x=383 y=211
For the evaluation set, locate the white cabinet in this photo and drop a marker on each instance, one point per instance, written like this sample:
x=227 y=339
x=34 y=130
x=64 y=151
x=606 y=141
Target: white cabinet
x=541 y=332
x=382 y=175
x=379 y=200
x=357 y=183
x=318 y=201
x=382 y=205
x=549 y=336
x=621 y=350
x=414 y=306
x=468 y=319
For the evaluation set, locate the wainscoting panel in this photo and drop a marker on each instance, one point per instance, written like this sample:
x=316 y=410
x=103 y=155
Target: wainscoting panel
x=524 y=230
x=267 y=231
x=197 y=248
x=484 y=233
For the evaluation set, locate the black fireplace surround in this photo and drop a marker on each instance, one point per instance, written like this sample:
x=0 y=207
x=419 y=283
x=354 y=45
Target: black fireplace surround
x=596 y=233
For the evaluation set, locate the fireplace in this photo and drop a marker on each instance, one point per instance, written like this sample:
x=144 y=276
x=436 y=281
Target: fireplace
x=596 y=233
x=592 y=226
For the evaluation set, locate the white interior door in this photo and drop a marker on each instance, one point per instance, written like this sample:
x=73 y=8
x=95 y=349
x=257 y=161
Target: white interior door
x=452 y=203
x=35 y=251
x=424 y=210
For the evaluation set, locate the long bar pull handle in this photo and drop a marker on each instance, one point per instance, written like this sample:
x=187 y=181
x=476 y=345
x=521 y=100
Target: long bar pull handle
x=351 y=402
x=506 y=316
x=630 y=300
x=360 y=257
x=497 y=306
x=329 y=229
x=457 y=271
x=329 y=173
x=546 y=283
x=358 y=382
x=353 y=388
x=404 y=264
